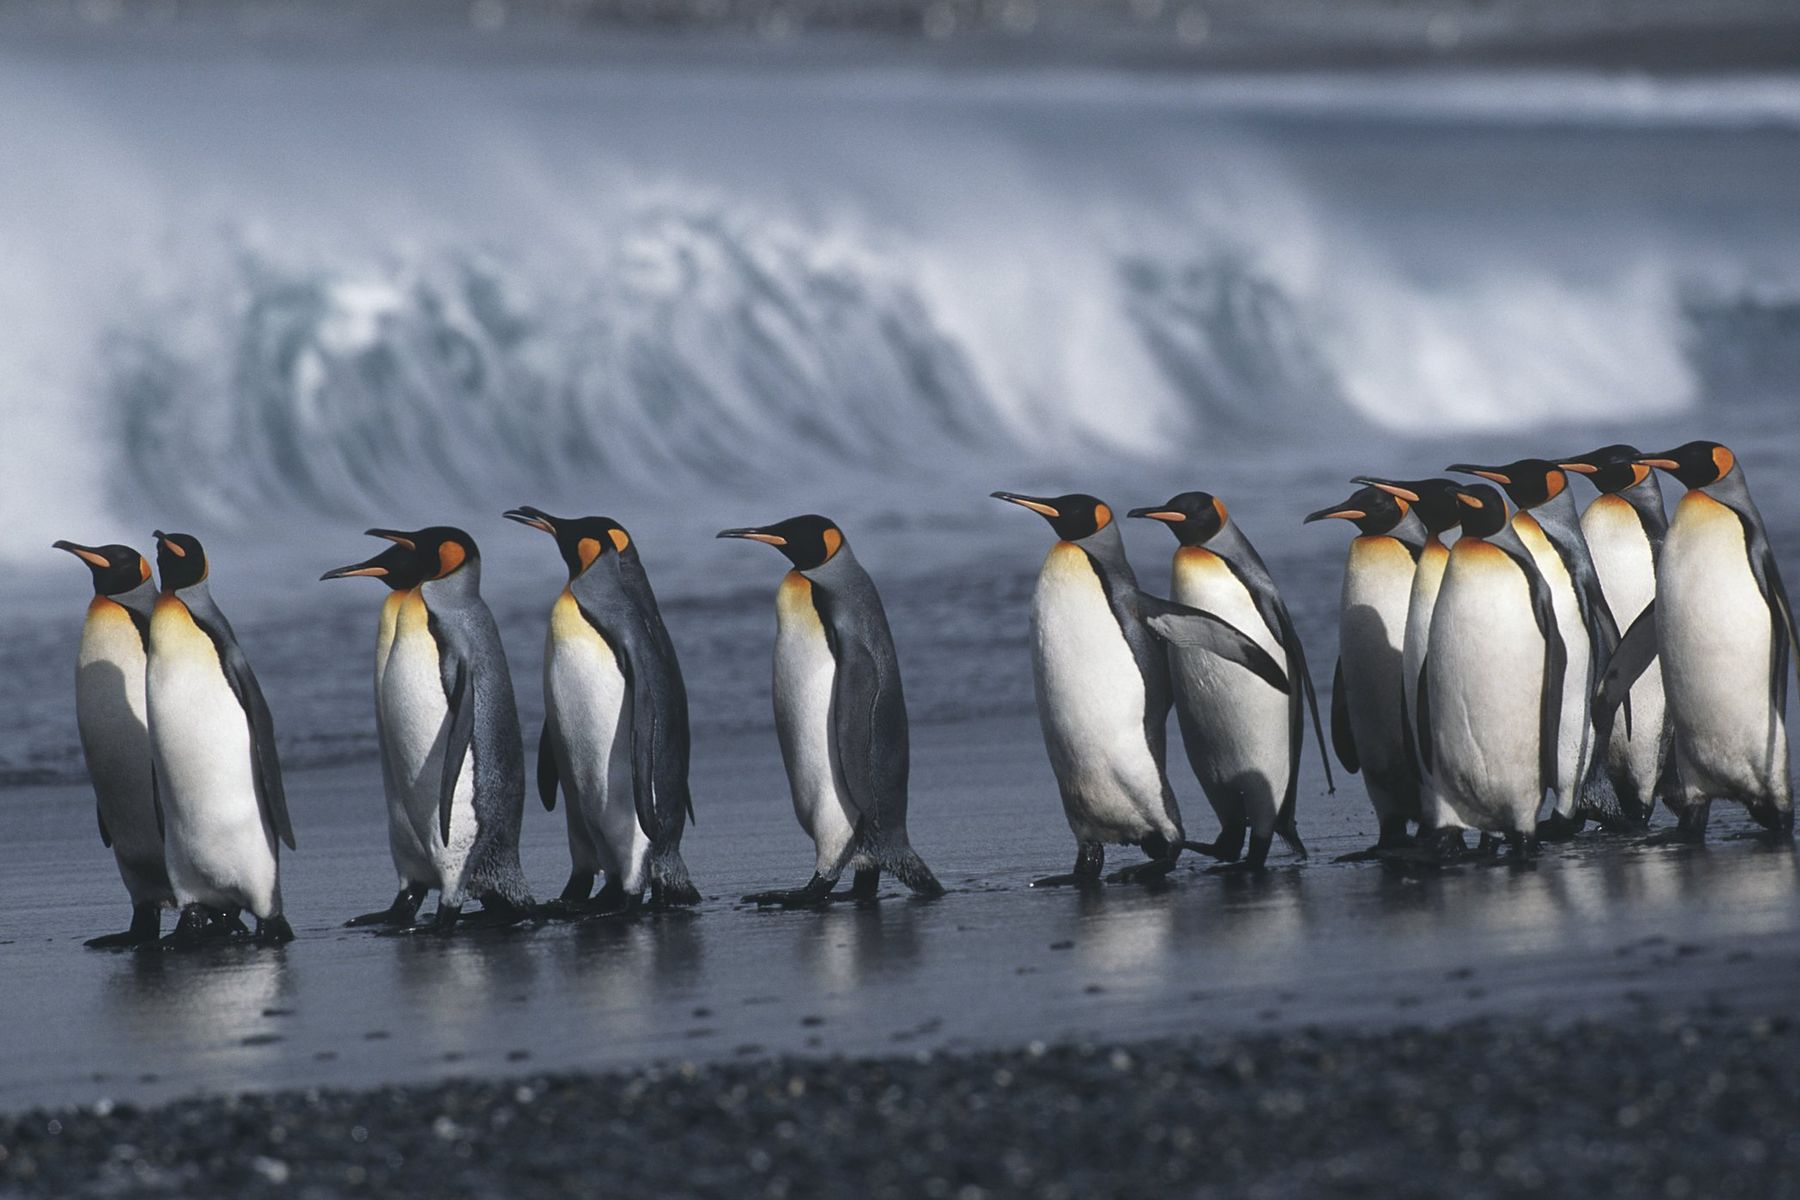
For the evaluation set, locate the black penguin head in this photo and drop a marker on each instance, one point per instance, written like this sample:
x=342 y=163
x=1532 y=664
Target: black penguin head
x=1610 y=468
x=1484 y=510
x=1373 y=511
x=582 y=541
x=809 y=542
x=400 y=567
x=116 y=569
x=1433 y=499
x=1193 y=517
x=1696 y=464
x=180 y=560
x=1529 y=482
x=1073 y=517
x=440 y=550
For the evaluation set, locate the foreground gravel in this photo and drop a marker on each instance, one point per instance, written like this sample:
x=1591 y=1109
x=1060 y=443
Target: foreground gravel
x=1642 y=1107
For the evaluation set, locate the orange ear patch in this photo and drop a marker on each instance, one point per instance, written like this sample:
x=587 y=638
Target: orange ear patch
x=1219 y=507
x=143 y=569
x=1639 y=473
x=1724 y=460
x=587 y=550
x=620 y=539
x=451 y=555
x=834 y=541
x=1102 y=517
x=1554 y=483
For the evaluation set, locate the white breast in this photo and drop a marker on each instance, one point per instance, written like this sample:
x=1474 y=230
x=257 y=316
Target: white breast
x=1090 y=699
x=1713 y=628
x=415 y=714
x=585 y=691
x=1243 y=721
x=218 y=849
x=111 y=713
x=804 y=673
x=1485 y=679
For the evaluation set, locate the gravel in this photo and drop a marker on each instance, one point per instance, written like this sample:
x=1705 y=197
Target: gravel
x=1646 y=1106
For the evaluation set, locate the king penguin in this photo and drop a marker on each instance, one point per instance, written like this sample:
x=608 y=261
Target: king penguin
x=1548 y=523
x=212 y=743
x=1103 y=689
x=115 y=736
x=1368 y=689
x=401 y=569
x=1435 y=503
x=1625 y=526
x=1724 y=628
x=616 y=721
x=1490 y=696
x=448 y=712
x=840 y=714
x=1243 y=737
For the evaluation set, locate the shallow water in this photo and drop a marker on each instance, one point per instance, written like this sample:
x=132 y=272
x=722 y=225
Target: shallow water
x=1585 y=930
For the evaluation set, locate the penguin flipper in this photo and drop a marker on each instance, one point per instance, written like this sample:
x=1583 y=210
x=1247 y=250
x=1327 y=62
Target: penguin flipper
x=1781 y=614
x=1342 y=740
x=156 y=800
x=862 y=752
x=461 y=734
x=1422 y=714
x=547 y=776
x=1290 y=638
x=1629 y=660
x=1556 y=662
x=265 y=763
x=1180 y=625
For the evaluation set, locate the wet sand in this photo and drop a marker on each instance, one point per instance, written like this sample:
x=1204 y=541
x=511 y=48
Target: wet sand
x=1594 y=931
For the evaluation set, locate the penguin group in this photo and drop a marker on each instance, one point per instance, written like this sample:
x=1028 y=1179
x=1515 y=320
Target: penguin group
x=1508 y=664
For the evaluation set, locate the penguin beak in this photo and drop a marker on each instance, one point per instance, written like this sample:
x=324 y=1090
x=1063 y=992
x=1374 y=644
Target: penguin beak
x=1041 y=507
x=1345 y=514
x=1662 y=462
x=537 y=518
x=754 y=535
x=1471 y=501
x=1168 y=515
x=1391 y=488
x=163 y=542
x=86 y=554
x=394 y=536
x=1579 y=466
x=370 y=568
x=1487 y=473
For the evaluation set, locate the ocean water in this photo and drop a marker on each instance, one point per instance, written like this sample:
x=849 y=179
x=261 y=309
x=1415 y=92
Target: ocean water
x=275 y=300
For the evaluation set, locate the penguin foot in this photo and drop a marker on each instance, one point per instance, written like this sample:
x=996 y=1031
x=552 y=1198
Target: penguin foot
x=1238 y=868
x=498 y=912
x=399 y=914
x=1090 y=857
x=816 y=893
x=1677 y=835
x=575 y=893
x=1558 y=828
x=1072 y=879
x=443 y=922
x=146 y=930
x=1521 y=847
x=275 y=931
x=865 y=887
x=199 y=925
x=1222 y=849
x=1154 y=871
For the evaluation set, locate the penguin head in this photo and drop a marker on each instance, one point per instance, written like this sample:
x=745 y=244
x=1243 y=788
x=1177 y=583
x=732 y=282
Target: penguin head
x=1697 y=464
x=1373 y=511
x=180 y=560
x=809 y=542
x=1610 y=468
x=1193 y=517
x=1073 y=517
x=582 y=541
x=439 y=550
x=1433 y=499
x=400 y=567
x=1529 y=482
x=116 y=569
x=1484 y=510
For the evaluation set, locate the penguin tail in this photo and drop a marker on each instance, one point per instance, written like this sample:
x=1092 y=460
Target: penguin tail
x=905 y=865
x=670 y=886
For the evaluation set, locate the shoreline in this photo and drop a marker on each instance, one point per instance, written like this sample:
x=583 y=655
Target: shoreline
x=1674 y=1103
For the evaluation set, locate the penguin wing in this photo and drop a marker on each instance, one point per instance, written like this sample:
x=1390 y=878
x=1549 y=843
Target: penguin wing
x=1781 y=613
x=547 y=777
x=1630 y=659
x=1180 y=625
x=1556 y=661
x=659 y=742
x=1422 y=713
x=1296 y=654
x=265 y=764
x=1342 y=740
x=868 y=730
x=461 y=699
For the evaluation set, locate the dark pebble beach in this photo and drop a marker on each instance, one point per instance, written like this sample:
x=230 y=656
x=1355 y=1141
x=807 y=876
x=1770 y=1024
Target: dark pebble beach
x=1650 y=1106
